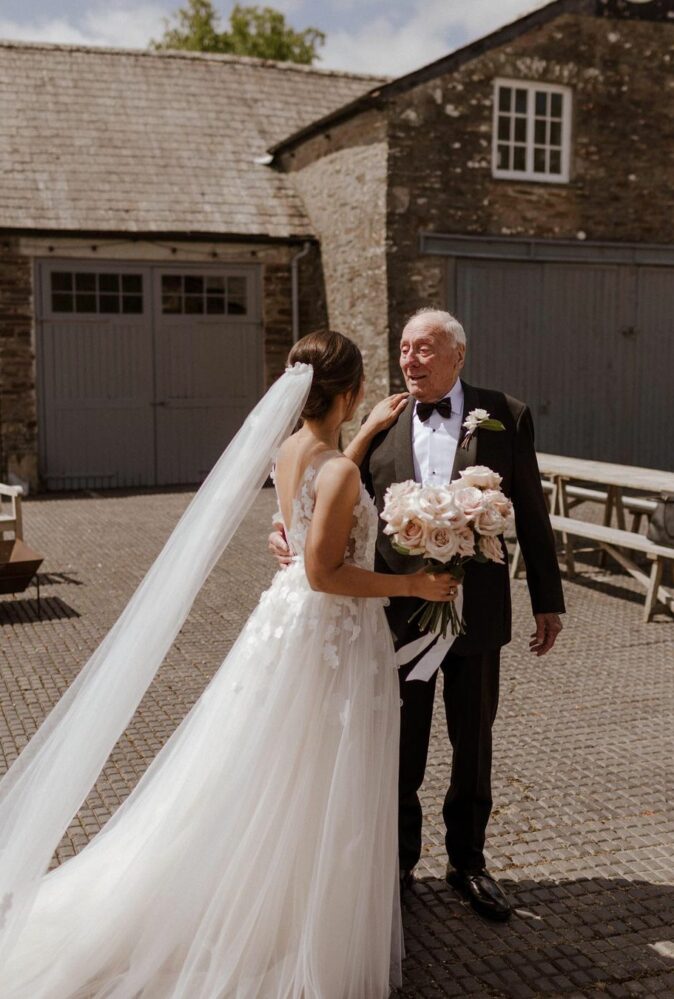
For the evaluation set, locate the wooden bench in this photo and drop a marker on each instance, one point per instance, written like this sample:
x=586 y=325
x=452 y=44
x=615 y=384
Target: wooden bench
x=638 y=506
x=10 y=513
x=611 y=540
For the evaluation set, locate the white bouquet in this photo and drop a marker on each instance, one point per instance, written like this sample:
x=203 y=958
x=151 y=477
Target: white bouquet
x=449 y=526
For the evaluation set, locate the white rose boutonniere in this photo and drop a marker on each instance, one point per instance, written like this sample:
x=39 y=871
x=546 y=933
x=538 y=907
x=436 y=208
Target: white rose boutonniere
x=478 y=419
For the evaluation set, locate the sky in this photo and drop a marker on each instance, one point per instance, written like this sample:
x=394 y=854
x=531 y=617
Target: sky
x=389 y=37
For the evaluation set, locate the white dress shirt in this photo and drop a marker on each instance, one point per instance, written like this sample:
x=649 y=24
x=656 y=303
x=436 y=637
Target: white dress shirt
x=435 y=441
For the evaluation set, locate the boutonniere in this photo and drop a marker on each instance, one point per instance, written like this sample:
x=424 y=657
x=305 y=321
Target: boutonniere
x=478 y=419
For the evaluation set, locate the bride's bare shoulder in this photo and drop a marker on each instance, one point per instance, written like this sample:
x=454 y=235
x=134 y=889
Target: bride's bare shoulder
x=338 y=472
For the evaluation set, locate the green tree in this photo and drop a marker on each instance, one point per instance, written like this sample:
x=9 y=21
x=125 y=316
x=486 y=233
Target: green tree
x=252 y=31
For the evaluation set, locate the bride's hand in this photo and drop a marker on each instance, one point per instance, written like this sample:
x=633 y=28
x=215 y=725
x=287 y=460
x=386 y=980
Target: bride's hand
x=435 y=586
x=385 y=413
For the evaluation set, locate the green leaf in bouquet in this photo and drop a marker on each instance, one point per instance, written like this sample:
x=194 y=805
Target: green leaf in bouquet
x=492 y=425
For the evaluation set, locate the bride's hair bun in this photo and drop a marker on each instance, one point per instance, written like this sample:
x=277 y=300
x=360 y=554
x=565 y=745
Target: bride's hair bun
x=338 y=368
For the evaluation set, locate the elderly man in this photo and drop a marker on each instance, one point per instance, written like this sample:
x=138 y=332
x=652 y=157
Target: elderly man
x=423 y=444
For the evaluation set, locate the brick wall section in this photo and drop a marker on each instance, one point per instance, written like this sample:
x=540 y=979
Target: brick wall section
x=622 y=170
x=341 y=178
x=18 y=419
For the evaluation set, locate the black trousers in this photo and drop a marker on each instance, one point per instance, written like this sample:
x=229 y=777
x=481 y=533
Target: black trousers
x=471 y=687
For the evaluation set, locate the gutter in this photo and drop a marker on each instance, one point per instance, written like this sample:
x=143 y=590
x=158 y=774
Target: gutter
x=294 y=289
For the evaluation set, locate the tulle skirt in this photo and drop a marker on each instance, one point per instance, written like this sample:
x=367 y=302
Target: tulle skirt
x=256 y=858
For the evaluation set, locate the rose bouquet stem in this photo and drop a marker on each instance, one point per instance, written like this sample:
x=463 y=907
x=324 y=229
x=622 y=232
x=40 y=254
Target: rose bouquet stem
x=435 y=616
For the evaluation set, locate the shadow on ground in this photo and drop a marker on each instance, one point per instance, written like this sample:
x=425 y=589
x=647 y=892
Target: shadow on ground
x=586 y=937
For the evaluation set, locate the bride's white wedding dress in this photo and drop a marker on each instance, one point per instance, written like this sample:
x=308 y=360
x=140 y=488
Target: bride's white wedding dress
x=256 y=858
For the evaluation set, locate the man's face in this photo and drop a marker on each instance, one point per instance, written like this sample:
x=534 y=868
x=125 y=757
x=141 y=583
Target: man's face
x=430 y=361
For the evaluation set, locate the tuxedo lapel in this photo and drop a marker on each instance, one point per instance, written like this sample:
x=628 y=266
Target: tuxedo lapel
x=404 y=458
x=465 y=457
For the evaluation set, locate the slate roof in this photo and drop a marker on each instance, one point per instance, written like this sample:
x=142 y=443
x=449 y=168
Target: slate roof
x=115 y=140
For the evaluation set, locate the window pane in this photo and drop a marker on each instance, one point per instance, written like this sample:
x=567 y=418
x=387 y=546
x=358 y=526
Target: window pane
x=521 y=101
x=519 y=158
x=503 y=127
x=539 y=160
x=541 y=103
x=215 y=305
x=194 y=304
x=62 y=303
x=171 y=283
x=555 y=133
x=555 y=161
x=539 y=131
x=132 y=303
x=215 y=284
x=108 y=282
x=236 y=296
x=85 y=282
x=171 y=305
x=132 y=283
x=85 y=303
x=556 y=105
x=504 y=157
x=504 y=94
x=194 y=285
x=61 y=281
x=109 y=303
x=520 y=129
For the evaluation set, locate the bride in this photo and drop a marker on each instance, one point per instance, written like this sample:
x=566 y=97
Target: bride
x=256 y=858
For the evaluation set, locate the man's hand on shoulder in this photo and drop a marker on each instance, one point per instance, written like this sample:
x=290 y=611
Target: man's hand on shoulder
x=548 y=626
x=278 y=546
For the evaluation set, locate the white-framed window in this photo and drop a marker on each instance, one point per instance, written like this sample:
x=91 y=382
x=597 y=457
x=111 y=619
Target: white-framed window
x=532 y=131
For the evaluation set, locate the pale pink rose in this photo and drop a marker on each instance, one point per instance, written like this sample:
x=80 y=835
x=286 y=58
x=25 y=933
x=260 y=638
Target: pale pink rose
x=413 y=536
x=466 y=542
x=434 y=504
x=491 y=548
x=399 y=490
x=400 y=501
x=496 y=499
x=396 y=513
x=490 y=522
x=468 y=499
x=442 y=543
x=481 y=477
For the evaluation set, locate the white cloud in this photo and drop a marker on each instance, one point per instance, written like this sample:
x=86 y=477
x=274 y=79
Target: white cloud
x=130 y=27
x=433 y=28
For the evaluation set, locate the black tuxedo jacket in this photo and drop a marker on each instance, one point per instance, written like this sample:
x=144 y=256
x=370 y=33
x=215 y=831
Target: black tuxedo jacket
x=509 y=452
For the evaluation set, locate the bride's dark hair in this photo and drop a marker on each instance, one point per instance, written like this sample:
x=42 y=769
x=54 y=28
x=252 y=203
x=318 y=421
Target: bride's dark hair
x=338 y=368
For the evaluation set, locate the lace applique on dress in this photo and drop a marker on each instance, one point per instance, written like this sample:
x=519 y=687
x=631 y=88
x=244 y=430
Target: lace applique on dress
x=361 y=541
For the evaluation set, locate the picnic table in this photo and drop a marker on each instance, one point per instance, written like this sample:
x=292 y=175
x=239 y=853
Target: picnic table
x=624 y=489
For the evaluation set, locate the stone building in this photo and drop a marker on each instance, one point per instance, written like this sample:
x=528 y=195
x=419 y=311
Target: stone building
x=526 y=182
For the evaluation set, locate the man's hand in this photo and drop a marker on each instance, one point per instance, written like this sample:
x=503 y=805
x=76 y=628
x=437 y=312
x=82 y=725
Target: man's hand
x=278 y=546
x=548 y=626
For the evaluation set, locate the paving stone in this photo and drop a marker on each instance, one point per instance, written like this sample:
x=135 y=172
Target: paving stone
x=582 y=827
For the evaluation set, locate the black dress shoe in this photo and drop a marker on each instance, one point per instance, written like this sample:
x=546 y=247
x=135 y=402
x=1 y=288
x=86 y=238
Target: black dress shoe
x=483 y=893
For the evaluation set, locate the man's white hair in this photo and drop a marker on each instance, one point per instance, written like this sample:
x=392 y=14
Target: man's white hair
x=438 y=320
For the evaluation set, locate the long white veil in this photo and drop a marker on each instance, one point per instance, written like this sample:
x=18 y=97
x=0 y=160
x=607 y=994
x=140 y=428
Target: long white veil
x=46 y=785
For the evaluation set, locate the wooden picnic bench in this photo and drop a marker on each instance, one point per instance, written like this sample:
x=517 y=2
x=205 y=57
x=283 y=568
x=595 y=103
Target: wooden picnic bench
x=558 y=471
x=612 y=540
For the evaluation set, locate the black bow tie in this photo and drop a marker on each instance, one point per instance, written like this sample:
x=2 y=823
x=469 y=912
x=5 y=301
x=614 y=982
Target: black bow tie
x=424 y=409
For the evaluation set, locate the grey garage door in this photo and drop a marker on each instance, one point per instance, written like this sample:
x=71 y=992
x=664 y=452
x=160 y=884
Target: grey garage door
x=590 y=346
x=145 y=372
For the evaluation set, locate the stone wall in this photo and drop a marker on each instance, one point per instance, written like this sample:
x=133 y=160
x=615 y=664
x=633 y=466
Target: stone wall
x=341 y=177
x=622 y=169
x=18 y=418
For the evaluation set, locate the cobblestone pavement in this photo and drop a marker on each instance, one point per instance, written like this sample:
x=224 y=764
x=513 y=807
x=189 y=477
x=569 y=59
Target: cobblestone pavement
x=582 y=834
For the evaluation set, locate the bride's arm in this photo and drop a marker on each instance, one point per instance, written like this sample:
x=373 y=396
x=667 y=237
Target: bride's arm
x=337 y=492
x=380 y=418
